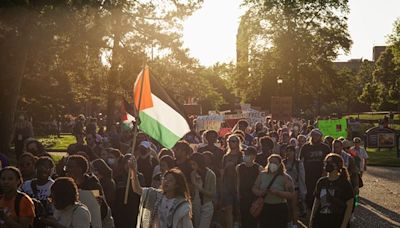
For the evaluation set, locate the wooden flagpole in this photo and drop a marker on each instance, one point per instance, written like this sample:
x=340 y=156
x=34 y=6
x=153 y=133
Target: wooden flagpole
x=135 y=133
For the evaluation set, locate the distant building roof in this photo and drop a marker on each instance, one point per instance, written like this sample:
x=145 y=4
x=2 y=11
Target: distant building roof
x=353 y=65
x=377 y=51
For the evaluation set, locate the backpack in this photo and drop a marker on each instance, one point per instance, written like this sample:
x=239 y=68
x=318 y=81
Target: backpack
x=39 y=209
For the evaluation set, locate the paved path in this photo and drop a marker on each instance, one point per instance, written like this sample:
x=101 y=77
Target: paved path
x=380 y=199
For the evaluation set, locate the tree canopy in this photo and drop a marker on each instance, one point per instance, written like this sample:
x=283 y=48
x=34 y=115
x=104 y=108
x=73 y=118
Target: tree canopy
x=294 y=40
x=382 y=90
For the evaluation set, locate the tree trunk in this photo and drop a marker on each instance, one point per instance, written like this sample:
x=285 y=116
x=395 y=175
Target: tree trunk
x=14 y=51
x=113 y=78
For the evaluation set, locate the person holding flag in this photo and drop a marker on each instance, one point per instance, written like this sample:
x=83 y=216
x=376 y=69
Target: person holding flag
x=169 y=206
x=160 y=116
x=156 y=114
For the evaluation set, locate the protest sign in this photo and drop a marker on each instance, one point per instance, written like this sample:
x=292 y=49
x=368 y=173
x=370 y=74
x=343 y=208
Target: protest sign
x=335 y=128
x=210 y=122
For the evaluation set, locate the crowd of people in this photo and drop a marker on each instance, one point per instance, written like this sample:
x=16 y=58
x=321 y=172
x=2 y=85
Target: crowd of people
x=273 y=174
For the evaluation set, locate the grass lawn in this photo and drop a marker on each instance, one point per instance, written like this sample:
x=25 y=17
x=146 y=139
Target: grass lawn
x=57 y=156
x=375 y=117
x=384 y=157
x=372 y=117
x=52 y=142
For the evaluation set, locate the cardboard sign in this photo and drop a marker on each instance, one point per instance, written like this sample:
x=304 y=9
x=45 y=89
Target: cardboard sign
x=335 y=128
x=281 y=108
x=252 y=117
x=210 y=122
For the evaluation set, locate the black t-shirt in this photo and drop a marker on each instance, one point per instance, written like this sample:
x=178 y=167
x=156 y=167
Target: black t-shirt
x=247 y=178
x=217 y=152
x=125 y=215
x=146 y=167
x=186 y=169
x=78 y=128
x=262 y=158
x=313 y=155
x=91 y=128
x=91 y=183
x=333 y=196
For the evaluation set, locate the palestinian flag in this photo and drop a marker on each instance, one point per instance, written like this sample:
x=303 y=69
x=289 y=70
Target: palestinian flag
x=127 y=115
x=160 y=116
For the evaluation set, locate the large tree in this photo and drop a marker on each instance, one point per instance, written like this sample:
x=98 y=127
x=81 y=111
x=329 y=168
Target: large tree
x=66 y=54
x=382 y=91
x=294 y=40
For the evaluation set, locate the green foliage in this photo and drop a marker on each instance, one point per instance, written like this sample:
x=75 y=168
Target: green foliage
x=382 y=89
x=394 y=40
x=295 y=41
x=190 y=82
x=89 y=52
x=218 y=77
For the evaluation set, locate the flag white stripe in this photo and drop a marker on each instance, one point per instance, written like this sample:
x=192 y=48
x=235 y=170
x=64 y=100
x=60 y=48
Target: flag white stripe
x=167 y=117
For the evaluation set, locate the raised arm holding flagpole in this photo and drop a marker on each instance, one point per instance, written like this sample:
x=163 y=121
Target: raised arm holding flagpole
x=135 y=131
x=158 y=114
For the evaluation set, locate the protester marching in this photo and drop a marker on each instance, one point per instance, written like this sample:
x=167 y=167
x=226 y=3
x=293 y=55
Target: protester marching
x=156 y=169
x=199 y=113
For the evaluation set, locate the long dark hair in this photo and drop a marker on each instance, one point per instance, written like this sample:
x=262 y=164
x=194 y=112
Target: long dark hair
x=338 y=160
x=198 y=158
x=64 y=192
x=182 y=188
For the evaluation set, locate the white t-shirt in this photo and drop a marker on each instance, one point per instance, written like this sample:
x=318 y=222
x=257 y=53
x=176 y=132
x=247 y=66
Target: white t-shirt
x=74 y=216
x=362 y=154
x=43 y=191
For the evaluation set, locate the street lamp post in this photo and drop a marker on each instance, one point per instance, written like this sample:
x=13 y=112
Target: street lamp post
x=279 y=81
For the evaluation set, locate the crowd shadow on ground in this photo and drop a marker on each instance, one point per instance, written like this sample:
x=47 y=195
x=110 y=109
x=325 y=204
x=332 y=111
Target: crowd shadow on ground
x=369 y=214
x=386 y=173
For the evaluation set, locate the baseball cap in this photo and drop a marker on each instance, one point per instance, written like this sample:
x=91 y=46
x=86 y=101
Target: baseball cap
x=346 y=143
x=145 y=144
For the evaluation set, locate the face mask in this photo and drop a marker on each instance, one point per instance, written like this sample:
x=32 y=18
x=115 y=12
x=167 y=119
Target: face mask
x=247 y=158
x=273 y=167
x=329 y=167
x=111 y=161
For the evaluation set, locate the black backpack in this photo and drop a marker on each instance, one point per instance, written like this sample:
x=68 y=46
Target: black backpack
x=39 y=209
